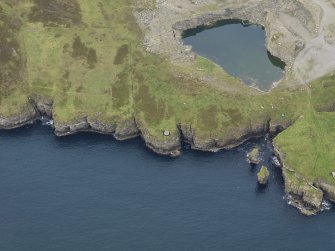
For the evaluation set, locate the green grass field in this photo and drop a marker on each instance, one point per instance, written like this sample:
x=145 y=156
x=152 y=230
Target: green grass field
x=309 y=145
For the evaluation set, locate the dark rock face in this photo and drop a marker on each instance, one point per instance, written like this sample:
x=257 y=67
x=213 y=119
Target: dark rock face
x=42 y=105
x=126 y=129
x=303 y=195
x=328 y=190
x=28 y=116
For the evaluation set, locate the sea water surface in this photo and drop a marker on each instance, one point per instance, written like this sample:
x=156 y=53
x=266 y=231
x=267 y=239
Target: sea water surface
x=89 y=192
x=239 y=49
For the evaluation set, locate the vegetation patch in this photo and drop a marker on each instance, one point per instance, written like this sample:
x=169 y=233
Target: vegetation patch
x=11 y=61
x=81 y=51
x=121 y=91
x=121 y=54
x=56 y=12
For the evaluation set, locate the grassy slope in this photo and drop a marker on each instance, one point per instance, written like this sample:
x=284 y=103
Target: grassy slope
x=13 y=87
x=309 y=145
x=91 y=62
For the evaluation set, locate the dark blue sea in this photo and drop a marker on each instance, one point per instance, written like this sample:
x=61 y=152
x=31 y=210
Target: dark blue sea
x=89 y=192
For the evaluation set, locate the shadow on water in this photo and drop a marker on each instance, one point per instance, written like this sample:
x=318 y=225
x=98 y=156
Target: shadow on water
x=276 y=61
x=201 y=28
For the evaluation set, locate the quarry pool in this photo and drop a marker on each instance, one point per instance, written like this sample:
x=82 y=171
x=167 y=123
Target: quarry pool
x=239 y=49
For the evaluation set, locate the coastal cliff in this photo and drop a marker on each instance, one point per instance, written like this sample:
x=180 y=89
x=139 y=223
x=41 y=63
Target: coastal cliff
x=130 y=75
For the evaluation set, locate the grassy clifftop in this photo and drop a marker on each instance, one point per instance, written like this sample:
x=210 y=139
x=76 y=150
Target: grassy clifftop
x=87 y=56
x=309 y=145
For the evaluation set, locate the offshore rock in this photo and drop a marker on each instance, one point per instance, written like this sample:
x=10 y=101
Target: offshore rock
x=263 y=175
x=254 y=156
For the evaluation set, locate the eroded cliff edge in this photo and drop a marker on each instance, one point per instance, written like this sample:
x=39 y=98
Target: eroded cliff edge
x=93 y=70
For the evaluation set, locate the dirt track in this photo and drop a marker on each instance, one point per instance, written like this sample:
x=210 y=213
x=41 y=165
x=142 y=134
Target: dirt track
x=317 y=58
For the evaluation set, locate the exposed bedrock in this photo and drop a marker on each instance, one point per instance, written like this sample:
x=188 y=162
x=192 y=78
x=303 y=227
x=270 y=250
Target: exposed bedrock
x=25 y=117
x=297 y=31
x=305 y=195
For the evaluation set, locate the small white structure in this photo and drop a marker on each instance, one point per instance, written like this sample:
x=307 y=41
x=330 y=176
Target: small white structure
x=167 y=133
x=333 y=173
x=188 y=48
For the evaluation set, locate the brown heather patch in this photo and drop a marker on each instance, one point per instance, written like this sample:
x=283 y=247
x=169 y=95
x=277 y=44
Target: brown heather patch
x=56 y=12
x=81 y=51
x=121 y=91
x=121 y=54
x=11 y=61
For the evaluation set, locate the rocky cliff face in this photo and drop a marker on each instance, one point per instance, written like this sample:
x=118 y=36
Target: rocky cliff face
x=296 y=31
x=25 y=117
x=305 y=195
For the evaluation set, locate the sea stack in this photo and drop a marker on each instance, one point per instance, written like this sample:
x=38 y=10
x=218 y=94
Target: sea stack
x=263 y=175
x=254 y=156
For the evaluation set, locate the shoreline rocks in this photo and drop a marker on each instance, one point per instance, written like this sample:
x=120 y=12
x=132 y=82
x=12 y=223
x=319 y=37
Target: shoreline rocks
x=308 y=197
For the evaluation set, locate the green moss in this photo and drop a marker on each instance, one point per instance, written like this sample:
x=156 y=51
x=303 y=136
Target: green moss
x=263 y=175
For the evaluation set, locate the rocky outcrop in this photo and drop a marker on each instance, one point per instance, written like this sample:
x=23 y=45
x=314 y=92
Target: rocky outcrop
x=280 y=41
x=93 y=124
x=263 y=175
x=126 y=129
x=214 y=143
x=42 y=105
x=160 y=144
x=27 y=116
x=329 y=190
x=254 y=156
x=302 y=194
x=77 y=125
